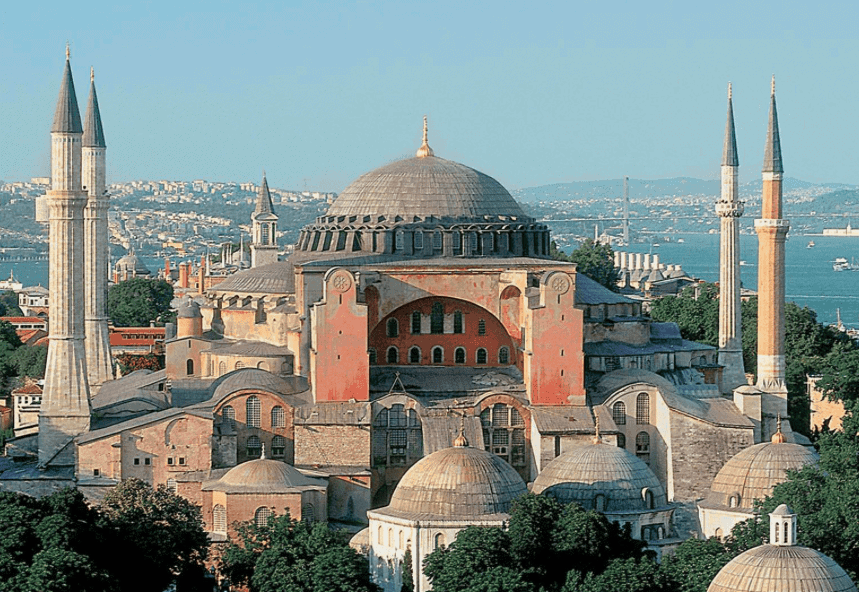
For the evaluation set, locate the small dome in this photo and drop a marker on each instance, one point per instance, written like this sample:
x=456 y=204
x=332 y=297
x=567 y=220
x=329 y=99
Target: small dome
x=426 y=186
x=770 y=567
x=188 y=309
x=458 y=482
x=589 y=470
x=131 y=264
x=262 y=475
x=752 y=473
x=274 y=278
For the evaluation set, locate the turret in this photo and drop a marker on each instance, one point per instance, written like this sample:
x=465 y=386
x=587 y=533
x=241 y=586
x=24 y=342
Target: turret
x=264 y=220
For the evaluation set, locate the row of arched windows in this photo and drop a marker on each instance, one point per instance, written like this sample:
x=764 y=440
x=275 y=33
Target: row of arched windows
x=642 y=410
x=253 y=413
x=460 y=355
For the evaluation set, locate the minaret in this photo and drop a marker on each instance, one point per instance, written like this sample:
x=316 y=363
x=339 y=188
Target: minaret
x=772 y=232
x=730 y=208
x=65 y=409
x=99 y=367
x=264 y=245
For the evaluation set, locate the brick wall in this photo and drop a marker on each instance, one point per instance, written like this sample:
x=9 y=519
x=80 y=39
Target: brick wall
x=332 y=445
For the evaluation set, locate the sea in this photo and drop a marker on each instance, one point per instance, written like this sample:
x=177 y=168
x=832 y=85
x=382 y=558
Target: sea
x=811 y=280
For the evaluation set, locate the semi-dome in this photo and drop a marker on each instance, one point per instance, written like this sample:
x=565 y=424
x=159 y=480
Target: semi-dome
x=426 y=186
x=588 y=471
x=274 y=278
x=458 y=482
x=254 y=378
x=752 y=473
x=264 y=476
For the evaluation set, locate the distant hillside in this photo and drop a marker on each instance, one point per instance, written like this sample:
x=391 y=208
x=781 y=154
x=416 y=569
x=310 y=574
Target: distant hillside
x=613 y=189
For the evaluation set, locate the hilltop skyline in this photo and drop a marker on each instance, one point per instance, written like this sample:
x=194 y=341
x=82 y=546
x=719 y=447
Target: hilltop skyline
x=319 y=94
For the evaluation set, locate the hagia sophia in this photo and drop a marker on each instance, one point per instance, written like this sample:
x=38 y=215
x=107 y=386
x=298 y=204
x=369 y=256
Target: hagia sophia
x=416 y=364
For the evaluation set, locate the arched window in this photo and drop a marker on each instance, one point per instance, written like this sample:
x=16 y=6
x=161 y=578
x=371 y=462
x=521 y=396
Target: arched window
x=481 y=355
x=437 y=355
x=642 y=409
x=599 y=502
x=414 y=355
x=393 y=356
x=371 y=353
x=219 y=519
x=278 y=446
x=400 y=546
x=229 y=415
x=189 y=367
x=278 y=417
x=254 y=446
x=398 y=240
x=287 y=367
x=253 y=411
x=437 y=319
x=390 y=537
x=618 y=413
x=222 y=368
x=777 y=532
x=438 y=540
x=419 y=240
x=459 y=355
x=379 y=537
x=642 y=446
x=393 y=328
x=503 y=355
x=718 y=534
x=308 y=513
x=621 y=441
x=457 y=322
x=649 y=501
x=240 y=365
x=481 y=327
x=436 y=240
x=172 y=485
x=416 y=322
x=734 y=500
x=261 y=516
x=473 y=237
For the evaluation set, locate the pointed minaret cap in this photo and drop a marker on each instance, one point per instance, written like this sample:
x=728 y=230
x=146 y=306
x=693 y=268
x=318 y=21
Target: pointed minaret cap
x=772 y=151
x=93 y=131
x=729 y=153
x=264 y=205
x=67 y=117
x=424 y=150
x=778 y=437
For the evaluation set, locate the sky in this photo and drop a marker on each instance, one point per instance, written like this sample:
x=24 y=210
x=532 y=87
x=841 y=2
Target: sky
x=317 y=93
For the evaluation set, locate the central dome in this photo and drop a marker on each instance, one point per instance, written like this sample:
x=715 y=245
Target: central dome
x=426 y=186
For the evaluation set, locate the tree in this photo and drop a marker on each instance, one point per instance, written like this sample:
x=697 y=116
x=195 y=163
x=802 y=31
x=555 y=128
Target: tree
x=477 y=551
x=408 y=573
x=161 y=530
x=596 y=261
x=291 y=556
x=9 y=305
x=695 y=310
x=621 y=575
x=30 y=360
x=128 y=363
x=533 y=519
x=139 y=301
x=694 y=564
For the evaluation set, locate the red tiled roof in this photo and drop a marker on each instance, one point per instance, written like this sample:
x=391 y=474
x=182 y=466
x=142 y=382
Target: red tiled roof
x=23 y=319
x=30 y=389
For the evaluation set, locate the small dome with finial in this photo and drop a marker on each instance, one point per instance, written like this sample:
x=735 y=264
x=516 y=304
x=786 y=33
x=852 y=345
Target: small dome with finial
x=778 y=437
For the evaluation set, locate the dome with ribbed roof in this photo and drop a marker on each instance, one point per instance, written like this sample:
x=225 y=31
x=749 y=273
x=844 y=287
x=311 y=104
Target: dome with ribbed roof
x=274 y=278
x=590 y=470
x=426 y=186
x=752 y=474
x=131 y=264
x=458 y=482
x=262 y=475
x=254 y=378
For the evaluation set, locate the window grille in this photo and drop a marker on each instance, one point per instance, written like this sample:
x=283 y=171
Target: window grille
x=253 y=411
x=172 y=485
x=398 y=240
x=261 y=516
x=222 y=368
x=481 y=355
x=459 y=355
x=481 y=327
x=229 y=415
x=618 y=413
x=416 y=322
x=278 y=446
x=419 y=240
x=437 y=319
x=642 y=446
x=219 y=516
x=503 y=355
x=436 y=240
x=397 y=416
x=642 y=409
x=254 y=446
x=457 y=322
x=278 y=417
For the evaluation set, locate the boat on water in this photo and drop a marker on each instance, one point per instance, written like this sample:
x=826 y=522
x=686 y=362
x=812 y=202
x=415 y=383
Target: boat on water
x=810 y=244
x=743 y=263
x=841 y=264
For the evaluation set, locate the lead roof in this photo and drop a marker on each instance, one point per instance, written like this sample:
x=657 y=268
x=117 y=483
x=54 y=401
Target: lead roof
x=67 y=117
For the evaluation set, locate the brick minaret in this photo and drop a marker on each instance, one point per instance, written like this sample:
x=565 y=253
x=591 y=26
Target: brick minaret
x=264 y=242
x=730 y=208
x=99 y=366
x=65 y=410
x=772 y=232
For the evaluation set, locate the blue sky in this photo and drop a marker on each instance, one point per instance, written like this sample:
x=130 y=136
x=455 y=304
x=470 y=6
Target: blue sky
x=317 y=93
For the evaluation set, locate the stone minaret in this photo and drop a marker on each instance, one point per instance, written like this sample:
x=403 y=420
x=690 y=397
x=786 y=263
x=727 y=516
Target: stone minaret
x=99 y=367
x=730 y=208
x=65 y=410
x=772 y=232
x=264 y=241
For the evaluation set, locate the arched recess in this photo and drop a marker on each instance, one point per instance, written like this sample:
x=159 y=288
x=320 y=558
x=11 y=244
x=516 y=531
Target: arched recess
x=447 y=323
x=506 y=427
x=510 y=302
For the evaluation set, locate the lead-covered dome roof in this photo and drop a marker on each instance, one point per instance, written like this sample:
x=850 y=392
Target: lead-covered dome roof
x=458 y=482
x=262 y=476
x=752 y=473
x=589 y=470
x=773 y=568
x=426 y=186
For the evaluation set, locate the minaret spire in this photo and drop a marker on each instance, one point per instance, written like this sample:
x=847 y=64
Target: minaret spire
x=772 y=231
x=730 y=209
x=264 y=228
x=424 y=150
x=96 y=247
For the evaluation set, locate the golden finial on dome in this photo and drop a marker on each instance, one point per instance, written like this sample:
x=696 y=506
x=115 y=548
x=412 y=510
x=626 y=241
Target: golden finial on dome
x=68 y=51
x=778 y=437
x=424 y=150
x=461 y=441
x=91 y=74
x=772 y=86
x=597 y=439
x=729 y=91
